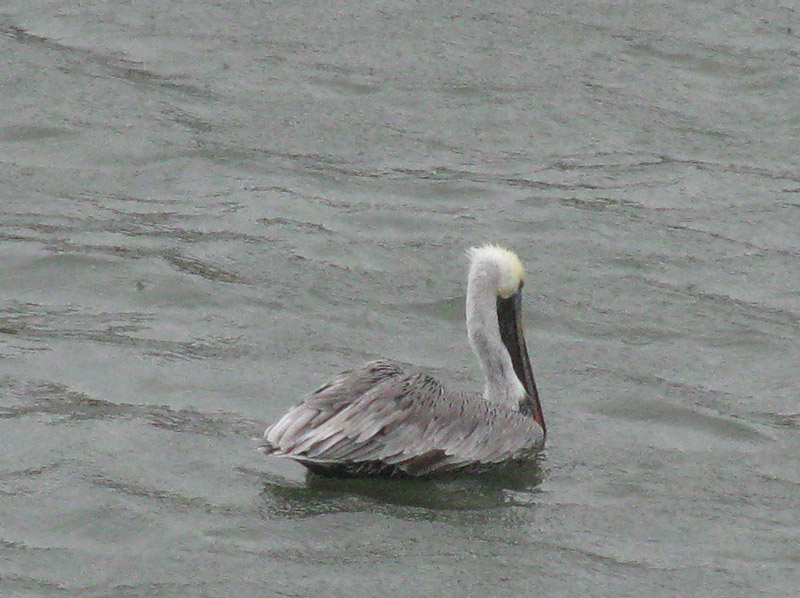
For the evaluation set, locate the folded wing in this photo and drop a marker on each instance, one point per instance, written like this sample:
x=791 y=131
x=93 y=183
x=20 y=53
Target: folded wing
x=378 y=419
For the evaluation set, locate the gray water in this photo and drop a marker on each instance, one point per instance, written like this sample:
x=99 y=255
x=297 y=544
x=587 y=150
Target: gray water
x=209 y=208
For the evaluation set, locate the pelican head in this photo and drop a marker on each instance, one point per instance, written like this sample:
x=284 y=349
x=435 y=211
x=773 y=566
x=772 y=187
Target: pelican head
x=494 y=327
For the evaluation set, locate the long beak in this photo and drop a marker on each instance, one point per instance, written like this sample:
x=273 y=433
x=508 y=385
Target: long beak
x=509 y=316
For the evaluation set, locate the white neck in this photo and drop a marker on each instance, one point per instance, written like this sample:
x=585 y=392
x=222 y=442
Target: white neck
x=502 y=384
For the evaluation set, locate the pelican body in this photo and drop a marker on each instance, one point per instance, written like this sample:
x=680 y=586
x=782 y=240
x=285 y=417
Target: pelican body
x=383 y=420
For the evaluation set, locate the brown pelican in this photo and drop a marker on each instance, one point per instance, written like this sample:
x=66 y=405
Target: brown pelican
x=381 y=419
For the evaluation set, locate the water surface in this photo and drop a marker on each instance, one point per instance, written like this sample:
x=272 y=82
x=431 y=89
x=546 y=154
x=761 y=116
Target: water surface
x=208 y=209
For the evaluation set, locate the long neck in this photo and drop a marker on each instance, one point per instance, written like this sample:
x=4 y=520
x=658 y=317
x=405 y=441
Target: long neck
x=502 y=384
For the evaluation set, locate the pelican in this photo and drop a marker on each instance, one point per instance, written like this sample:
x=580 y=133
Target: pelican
x=383 y=420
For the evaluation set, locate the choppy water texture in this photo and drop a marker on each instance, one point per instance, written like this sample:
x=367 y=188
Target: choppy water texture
x=209 y=208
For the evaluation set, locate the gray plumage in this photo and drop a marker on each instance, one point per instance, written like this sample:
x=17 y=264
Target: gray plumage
x=380 y=419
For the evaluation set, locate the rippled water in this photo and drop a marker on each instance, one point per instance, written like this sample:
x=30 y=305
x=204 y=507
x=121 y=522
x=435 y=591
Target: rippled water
x=208 y=208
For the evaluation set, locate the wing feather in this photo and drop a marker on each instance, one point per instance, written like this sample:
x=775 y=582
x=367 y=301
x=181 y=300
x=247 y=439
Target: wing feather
x=378 y=416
